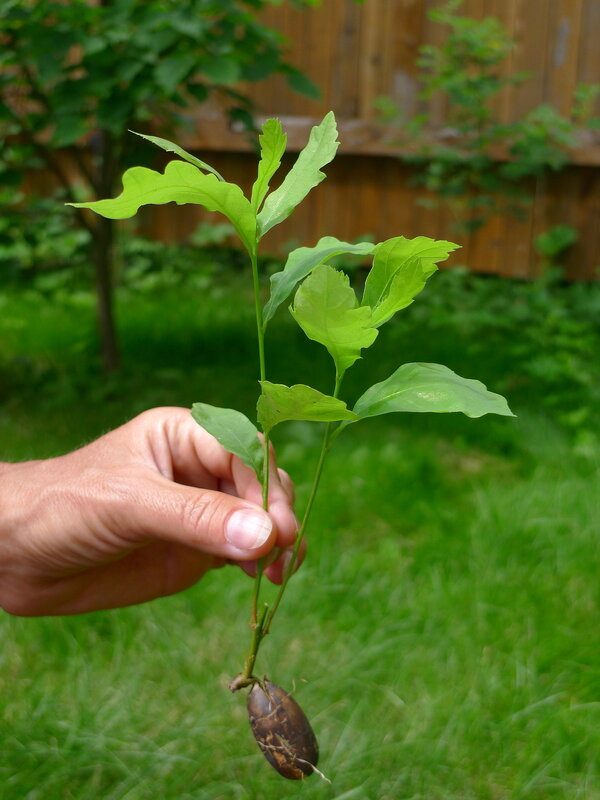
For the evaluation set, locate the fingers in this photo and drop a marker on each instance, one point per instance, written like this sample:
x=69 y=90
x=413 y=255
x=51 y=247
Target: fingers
x=208 y=498
x=275 y=572
x=212 y=521
x=246 y=485
x=276 y=569
x=284 y=480
x=287 y=484
x=184 y=451
x=156 y=570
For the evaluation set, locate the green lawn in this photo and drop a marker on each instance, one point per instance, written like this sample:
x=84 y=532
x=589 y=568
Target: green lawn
x=443 y=635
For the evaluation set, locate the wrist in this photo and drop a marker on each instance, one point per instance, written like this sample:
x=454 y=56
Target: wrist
x=16 y=505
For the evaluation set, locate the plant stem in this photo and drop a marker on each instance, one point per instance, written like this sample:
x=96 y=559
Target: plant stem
x=325 y=447
x=301 y=531
x=261 y=628
x=257 y=635
x=260 y=335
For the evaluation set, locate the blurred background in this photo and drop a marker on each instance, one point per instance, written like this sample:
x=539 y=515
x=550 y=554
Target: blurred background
x=443 y=633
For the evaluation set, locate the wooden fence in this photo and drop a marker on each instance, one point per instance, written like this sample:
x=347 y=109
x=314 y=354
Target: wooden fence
x=357 y=53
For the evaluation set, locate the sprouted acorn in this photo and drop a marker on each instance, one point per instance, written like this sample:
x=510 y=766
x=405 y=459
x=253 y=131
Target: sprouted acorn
x=282 y=731
x=327 y=309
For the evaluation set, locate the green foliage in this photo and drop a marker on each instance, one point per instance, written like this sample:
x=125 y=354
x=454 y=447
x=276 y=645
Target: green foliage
x=327 y=310
x=479 y=167
x=105 y=66
x=272 y=147
x=278 y=403
x=553 y=243
x=302 y=177
x=187 y=183
x=325 y=307
x=416 y=593
x=400 y=270
x=37 y=236
x=429 y=387
x=81 y=74
x=50 y=255
x=170 y=147
x=539 y=335
x=234 y=431
x=301 y=262
x=180 y=183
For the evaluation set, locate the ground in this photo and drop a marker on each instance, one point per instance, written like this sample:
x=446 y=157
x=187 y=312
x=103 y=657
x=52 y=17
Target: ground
x=442 y=636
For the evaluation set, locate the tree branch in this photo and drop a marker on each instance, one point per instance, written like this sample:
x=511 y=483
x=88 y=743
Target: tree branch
x=53 y=165
x=37 y=94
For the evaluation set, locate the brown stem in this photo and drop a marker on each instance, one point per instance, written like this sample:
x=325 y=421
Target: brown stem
x=102 y=232
x=104 y=258
x=103 y=268
x=53 y=164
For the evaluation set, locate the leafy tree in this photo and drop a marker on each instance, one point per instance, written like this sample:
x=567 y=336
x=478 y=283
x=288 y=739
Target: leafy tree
x=478 y=163
x=83 y=73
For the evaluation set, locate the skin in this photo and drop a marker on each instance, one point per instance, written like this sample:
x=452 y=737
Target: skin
x=143 y=512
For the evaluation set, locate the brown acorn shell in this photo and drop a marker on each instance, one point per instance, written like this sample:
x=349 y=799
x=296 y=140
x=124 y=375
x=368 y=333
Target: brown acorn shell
x=282 y=731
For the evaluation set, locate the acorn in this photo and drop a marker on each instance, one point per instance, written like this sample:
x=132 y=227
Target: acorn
x=282 y=731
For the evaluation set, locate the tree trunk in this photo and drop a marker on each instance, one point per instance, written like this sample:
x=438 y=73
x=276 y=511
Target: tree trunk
x=103 y=257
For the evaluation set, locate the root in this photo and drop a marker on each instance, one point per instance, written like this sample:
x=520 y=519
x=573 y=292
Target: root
x=314 y=769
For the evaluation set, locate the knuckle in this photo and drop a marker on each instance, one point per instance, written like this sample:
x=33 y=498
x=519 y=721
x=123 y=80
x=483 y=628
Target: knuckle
x=197 y=513
x=157 y=416
x=150 y=415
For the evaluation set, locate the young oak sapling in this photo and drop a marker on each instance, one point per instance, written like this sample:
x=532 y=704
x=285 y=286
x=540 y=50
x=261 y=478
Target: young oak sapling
x=327 y=309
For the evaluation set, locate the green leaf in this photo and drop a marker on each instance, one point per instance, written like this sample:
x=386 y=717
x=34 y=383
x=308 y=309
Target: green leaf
x=400 y=270
x=327 y=310
x=303 y=176
x=198 y=91
x=222 y=71
x=180 y=183
x=279 y=403
x=301 y=262
x=234 y=431
x=69 y=129
x=272 y=147
x=170 y=71
x=430 y=387
x=171 y=147
x=301 y=83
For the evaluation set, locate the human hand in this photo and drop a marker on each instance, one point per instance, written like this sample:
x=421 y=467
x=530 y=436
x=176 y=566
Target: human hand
x=143 y=512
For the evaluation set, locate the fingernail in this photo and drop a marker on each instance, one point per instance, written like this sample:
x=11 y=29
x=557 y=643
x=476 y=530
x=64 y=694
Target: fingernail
x=247 y=529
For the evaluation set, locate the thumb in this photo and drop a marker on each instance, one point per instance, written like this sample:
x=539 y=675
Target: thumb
x=211 y=521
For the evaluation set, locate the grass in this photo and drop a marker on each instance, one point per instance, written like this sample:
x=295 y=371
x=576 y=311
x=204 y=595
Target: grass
x=442 y=635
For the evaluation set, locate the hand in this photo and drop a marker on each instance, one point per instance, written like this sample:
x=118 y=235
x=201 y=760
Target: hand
x=140 y=513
